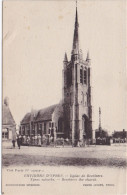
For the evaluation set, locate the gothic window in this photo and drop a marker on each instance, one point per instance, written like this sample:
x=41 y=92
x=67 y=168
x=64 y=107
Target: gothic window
x=28 y=130
x=50 y=124
x=85 y=76
x=44 y=128
x=60 y=125
x=33 y=129
x=40 y=129
x=88 y=75
x=69 y=77
x=23 y=130
x=81 y=76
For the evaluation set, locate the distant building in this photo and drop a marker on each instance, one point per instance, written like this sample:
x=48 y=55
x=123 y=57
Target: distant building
x=119 y=136
x=8 y=123
x=72 y=118
x=102 y=137
x=101 y=133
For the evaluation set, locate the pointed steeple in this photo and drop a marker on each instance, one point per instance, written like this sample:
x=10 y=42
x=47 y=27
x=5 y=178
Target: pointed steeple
x=87 y=57
x=65 y=58
x=6 y=101
x=75 y=48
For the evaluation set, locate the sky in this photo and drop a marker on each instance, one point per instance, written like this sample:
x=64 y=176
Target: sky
x=36 y=35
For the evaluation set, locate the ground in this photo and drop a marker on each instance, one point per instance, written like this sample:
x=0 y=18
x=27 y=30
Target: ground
x=109 y=156
x=28 y=169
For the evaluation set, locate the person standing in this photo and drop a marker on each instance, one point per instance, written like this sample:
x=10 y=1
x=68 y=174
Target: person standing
x=19 y=141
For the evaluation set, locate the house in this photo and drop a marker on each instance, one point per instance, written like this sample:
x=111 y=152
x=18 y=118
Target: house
x=119 y=136
x=8 y=123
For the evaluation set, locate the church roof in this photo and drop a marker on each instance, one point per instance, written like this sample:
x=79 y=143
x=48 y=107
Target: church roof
x=46 y=113
x=7 y=118
x=26 y=118
x=41 y=115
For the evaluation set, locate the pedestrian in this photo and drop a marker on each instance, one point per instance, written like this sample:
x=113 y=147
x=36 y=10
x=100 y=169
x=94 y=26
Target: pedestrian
x=19 y=141
x=28 y=140
x=78 y=143
x=13 y=143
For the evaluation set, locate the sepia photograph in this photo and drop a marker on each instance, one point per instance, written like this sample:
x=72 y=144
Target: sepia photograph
x=64 y=97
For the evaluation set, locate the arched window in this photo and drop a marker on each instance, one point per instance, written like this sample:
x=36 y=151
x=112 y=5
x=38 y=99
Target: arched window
x=85 y=76
x=69 y=76
x=40 y=129
x=60 y=125
x=81 y=76
x=44 y=127
x=89 y=75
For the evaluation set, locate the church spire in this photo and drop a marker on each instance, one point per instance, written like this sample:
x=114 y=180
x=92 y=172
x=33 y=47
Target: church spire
x=65 y=57
x=88 y=56
x=75 y=48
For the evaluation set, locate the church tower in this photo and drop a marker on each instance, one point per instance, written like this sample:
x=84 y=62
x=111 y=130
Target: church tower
x=77 y=92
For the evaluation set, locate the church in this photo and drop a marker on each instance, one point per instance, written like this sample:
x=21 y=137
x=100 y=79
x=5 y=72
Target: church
x=71 y=119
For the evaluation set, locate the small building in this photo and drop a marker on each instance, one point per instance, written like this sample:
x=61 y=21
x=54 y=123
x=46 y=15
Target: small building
x=119 y=136
x=8 y=123
x=102 y=137
x=101 y=133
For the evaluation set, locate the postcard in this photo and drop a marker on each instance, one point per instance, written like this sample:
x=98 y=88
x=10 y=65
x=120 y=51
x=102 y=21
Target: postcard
x=64 y=97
